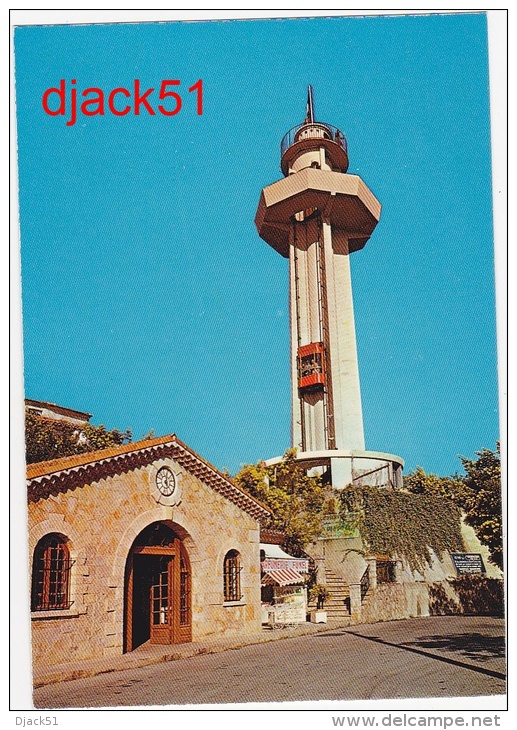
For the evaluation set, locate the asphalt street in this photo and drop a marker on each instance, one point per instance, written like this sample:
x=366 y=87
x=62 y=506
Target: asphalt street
x=446 y=656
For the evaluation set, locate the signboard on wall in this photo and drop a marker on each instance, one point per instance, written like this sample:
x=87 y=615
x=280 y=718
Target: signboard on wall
x=468 y=563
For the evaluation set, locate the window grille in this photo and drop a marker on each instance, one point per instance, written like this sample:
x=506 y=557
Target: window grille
x=386 y=571
x=51 y=574
x=232 y=576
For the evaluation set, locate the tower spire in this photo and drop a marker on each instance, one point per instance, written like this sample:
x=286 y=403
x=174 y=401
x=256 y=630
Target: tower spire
x=309 y=116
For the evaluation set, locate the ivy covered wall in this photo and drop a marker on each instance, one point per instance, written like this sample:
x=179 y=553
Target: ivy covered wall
x=403 y=525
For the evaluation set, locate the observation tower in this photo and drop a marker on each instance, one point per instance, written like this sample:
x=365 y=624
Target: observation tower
x=316 y=216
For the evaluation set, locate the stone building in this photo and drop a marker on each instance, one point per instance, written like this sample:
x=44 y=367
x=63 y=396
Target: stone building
x=135 y=543
x=55 y=412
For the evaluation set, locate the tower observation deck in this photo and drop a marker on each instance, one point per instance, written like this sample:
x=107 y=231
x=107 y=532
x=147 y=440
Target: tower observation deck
x=316 y=216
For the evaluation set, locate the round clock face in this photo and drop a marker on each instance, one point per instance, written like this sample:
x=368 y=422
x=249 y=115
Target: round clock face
x=165 y=481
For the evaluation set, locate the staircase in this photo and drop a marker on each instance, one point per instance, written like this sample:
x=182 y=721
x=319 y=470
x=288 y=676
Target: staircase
x=337 y=607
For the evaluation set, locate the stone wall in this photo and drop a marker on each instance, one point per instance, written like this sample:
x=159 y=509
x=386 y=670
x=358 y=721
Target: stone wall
x=393 y=601
x=101 y=521
x=468 y=594
x=345 y=556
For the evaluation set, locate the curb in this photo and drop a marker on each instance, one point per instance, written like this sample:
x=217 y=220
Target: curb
x=156 y=655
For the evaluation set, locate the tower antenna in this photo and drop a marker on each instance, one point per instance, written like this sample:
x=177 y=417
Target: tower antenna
x=309 y=117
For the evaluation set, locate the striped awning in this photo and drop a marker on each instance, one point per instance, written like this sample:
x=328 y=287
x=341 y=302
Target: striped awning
x=286 y=577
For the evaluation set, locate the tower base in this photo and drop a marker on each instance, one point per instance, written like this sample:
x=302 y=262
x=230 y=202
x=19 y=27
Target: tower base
x=361 y=468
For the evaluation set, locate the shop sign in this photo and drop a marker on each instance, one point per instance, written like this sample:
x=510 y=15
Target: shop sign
x=302 y=566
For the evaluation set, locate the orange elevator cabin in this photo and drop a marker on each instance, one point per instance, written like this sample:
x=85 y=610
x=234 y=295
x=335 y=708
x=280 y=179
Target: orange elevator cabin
x=311 y=367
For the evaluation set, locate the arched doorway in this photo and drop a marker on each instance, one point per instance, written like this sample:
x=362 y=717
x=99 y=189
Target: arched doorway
x=157 y=589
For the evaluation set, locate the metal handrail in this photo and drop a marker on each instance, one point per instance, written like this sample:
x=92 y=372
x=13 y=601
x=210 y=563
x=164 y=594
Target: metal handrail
x=316 y=130
x=365 y=583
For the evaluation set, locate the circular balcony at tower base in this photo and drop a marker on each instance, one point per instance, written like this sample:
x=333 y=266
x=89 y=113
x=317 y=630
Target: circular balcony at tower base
x=358 y=468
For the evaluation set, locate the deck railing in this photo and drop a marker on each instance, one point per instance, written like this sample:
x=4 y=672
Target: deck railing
x=313 y=130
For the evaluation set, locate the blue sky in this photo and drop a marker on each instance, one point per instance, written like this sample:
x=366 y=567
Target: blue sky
x=150 y=301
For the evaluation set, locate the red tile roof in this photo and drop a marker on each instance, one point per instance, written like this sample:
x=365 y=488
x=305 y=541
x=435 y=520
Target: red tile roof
x=70 y=472
x=67 y=462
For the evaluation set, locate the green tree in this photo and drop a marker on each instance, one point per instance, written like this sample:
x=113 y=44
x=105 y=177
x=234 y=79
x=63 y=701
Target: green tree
x=477 y=494
x=483 y=503
x=453 y=487
x=47 y=439
x=296 y=500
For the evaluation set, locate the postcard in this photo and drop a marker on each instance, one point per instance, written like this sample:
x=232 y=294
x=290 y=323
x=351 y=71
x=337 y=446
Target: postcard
x=260 y=363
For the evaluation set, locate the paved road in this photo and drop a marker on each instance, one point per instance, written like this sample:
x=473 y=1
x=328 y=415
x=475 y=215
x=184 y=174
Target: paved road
x=446 y=656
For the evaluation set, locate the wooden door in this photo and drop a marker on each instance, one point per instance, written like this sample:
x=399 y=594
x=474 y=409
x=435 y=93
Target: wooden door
x=162 y=600
x=158 y=595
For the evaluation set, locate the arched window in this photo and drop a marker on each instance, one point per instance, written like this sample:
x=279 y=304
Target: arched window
x=232 y=576
x=51 y=574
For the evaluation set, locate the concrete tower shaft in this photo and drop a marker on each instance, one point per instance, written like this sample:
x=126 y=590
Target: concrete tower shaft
x=317 y=216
